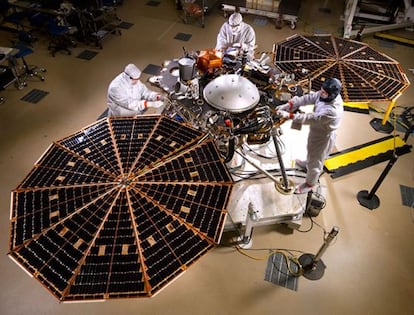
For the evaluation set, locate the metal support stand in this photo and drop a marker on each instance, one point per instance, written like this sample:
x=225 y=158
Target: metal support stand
x=379 y=126
x=369 y=199
x=313 y=266
x=383 y=125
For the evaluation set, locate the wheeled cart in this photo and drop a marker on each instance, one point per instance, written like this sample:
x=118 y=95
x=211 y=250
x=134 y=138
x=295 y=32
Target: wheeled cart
x=282 y=11
x=97 y=24
x=193 y=9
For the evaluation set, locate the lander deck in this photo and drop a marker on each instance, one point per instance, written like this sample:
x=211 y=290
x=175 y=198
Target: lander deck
x=260 y=194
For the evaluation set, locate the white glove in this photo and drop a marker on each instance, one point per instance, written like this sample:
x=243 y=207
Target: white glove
x=245 y=46
x=160 y=97
x=284 y=114
x=154 y=104
x=285 y=106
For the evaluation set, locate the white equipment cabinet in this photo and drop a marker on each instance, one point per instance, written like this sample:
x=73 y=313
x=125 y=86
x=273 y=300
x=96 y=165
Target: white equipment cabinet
x=281 y=11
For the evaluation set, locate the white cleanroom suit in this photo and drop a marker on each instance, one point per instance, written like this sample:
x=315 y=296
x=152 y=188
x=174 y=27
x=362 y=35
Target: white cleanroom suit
x=236 y=33
x=128 y=96
x=323 y=123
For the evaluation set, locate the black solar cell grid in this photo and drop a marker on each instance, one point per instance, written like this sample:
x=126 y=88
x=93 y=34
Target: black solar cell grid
x=95 y=144
x=88 y=226
x=59 y=167
x=366 y=74
x=130 y=137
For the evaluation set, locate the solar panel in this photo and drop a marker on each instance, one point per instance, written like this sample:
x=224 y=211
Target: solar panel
x=120 y=208
x=366 y=74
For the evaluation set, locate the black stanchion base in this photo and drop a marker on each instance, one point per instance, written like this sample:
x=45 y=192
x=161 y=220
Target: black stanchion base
x=376 y=123
x=365 y=200
x=312 y=270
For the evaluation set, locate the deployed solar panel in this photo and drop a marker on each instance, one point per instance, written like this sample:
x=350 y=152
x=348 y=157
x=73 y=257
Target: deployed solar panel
x=366 y=74
x=120 y=208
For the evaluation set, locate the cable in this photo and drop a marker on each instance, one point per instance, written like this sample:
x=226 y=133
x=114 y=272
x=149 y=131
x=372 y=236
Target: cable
x=267 y=157
x=259 y=175
x=287 y=258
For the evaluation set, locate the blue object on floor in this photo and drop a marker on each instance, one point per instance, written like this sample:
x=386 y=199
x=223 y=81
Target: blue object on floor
x=34 y=96
x=87 y=54
x=153 y=3
x=277 y=272
x=182 y=36
x=152 y=69
x=125 y=25
x=407 y=195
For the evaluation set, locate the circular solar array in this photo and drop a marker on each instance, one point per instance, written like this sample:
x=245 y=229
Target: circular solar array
x=120 y=208
x=366 y=74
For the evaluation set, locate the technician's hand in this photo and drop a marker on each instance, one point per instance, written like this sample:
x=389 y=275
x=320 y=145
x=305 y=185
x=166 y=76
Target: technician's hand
x=284 y=114
x=285 y=106
x=155 y=104
x=161 y=97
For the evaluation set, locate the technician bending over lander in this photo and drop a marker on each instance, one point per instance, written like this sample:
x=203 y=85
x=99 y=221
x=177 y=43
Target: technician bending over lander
x=323 y=122
x=238 y=34
x=128 y=96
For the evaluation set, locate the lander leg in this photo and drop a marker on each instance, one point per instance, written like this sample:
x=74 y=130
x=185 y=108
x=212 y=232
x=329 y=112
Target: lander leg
x=286 y=186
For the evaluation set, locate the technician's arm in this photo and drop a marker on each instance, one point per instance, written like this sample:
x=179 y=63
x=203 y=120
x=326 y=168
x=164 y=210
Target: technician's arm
x=222 y=40
x=297 y=101
x=148 y=94
x=128 y=104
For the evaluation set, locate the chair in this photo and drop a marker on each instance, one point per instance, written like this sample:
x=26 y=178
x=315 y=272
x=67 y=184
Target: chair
x=25 y=70
x=8 y=77
x=17 y=19
x=60 y=38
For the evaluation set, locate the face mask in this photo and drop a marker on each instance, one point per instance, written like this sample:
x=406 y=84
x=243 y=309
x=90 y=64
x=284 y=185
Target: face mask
x=326 y=99
x=235 y=29
x=332 y=87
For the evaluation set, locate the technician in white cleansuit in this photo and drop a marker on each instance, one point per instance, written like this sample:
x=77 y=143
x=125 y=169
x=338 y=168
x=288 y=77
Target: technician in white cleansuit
x=238 y=34
x=323 y=122
x=128 y=96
